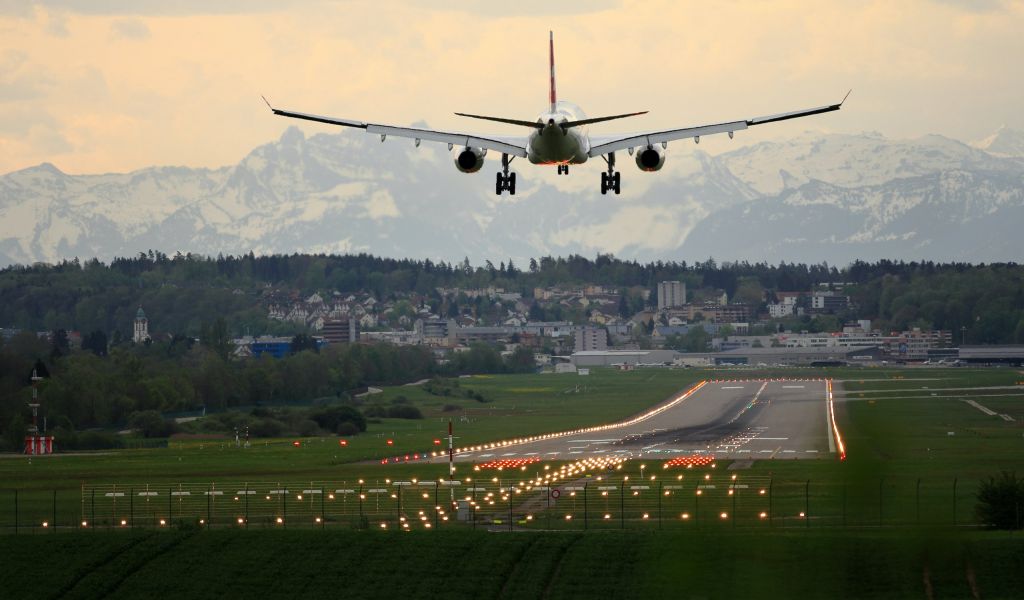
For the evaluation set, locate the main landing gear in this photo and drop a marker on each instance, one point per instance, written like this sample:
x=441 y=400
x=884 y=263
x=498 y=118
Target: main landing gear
x=505 y=180
x=563 y=169
x=612 y=180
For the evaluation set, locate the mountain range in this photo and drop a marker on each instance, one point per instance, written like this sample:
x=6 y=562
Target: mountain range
x=813 y=197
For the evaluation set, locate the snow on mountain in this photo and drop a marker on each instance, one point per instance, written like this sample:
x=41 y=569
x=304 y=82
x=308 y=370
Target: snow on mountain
x=1004 y=142
x=954 y=215
x=851 y=160
x=806 y=198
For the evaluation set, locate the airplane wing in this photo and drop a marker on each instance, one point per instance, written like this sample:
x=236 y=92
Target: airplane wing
x=513 y=146
x=604 y=145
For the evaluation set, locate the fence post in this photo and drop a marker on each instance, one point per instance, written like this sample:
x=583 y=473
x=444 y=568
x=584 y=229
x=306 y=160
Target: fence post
x=246 y=490
x=15 y=512
x=361 y=521
x=284 y=506
x=844 y=504
x=435 y=505
x=170 y=506
x=622 y=504
x=586 y=513
x=92 y=499
x=54 y=511
x=660 y=494
x=771 y=513
x=954 y=501
x=323 y=515
x=807 y=504
x=917 y=500
x=734 y=494
x=881 y=495
x=509 y=490
x=131 y=508
x=398 y=496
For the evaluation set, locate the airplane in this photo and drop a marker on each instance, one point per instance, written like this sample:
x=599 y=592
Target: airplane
x=559 y=136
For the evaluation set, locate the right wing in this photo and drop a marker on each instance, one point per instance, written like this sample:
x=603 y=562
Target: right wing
x=512 y=146
x=604 y=145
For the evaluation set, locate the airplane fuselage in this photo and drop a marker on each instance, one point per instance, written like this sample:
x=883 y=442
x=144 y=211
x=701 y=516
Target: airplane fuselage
x=555 y=145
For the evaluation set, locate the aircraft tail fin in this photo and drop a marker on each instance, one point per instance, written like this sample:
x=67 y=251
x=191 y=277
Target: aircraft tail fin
x=552 y=96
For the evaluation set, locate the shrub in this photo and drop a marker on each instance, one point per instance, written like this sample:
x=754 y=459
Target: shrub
x=266 y=427
x=404 y=411
x=151 y=424
x=450 y=408
x=347 y=428
x=331 y=417
x=1001 y=501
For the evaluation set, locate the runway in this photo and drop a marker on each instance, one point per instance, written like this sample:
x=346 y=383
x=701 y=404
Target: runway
x=752 y=419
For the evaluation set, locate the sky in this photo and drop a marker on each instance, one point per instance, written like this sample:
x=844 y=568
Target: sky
x=116 y=85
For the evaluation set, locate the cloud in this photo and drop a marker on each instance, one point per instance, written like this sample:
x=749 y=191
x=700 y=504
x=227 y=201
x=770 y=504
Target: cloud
x=132 y=29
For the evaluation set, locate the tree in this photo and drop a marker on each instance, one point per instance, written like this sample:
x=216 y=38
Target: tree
x=521 y=360
x=95 y=342
x=1001 y=501
x=14 y=435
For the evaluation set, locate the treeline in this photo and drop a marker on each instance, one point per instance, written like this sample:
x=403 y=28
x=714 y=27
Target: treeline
x=83 y=390
x=185 y=290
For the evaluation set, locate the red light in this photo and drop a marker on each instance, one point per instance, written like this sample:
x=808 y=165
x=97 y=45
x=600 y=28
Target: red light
x=296 y=444
x=343 y=442
x=437 y=442
x=391 y=442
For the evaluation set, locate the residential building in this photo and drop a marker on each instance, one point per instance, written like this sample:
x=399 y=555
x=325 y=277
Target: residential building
x=828 y=302
x=591 y=338
x=341 y=331
x=671 y=294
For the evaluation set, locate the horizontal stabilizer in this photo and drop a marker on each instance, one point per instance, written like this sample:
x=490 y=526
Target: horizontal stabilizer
x=533 y=124
x=600 y=119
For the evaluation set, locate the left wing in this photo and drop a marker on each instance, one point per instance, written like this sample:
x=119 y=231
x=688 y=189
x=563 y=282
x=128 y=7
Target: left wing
x=507 y=145
x=604 y=145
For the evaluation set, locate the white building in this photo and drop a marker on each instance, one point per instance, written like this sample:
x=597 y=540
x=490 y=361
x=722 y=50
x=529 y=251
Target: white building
x=671 y=294
x=140 y=329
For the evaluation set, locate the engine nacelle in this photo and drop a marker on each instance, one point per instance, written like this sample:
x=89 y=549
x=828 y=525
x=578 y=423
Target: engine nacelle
x=651 y=158
x=470 y=160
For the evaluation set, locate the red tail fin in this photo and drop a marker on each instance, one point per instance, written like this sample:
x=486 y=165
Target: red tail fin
x=552 y=97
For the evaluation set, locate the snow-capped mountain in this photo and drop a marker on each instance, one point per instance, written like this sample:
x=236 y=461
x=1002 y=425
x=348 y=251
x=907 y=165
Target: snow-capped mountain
x=813 y=197
x=1004 y=142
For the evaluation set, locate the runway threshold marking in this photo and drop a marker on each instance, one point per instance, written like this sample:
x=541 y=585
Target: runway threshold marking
x=732 y=387
x=793 y=387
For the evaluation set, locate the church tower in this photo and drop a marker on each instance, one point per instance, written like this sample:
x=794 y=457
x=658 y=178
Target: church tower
x=140 y=331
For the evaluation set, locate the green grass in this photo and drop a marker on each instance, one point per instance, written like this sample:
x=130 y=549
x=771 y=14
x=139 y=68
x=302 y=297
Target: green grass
x=892 y=440
x=630 y=564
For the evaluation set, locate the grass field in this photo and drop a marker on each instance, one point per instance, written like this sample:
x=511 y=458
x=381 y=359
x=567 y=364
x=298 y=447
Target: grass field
x=896 y=433
x=278 y=564
x=878 y=525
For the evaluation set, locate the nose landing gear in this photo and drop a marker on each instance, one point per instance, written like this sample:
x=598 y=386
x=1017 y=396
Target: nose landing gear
x=612 y=180
x=505 y=180
x=563 y=169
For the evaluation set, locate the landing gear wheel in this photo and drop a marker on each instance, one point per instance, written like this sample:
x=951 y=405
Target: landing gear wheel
x=612 y=179
x=563 y=169
x=505 y=180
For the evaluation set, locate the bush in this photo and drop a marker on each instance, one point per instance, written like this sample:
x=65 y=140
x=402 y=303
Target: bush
x=308 y=428
x=151 y=424
x=347 y=428
x=331 y=417
x=1001 y=501
x=404 y=412
x=399 y=400
x=267 y=427
x=450 y=408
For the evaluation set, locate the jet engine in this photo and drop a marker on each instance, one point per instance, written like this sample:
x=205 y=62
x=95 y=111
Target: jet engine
x=651 y=158
x=470 y=160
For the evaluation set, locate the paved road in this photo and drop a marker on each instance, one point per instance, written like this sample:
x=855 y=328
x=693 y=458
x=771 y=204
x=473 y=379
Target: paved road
x=741 y=419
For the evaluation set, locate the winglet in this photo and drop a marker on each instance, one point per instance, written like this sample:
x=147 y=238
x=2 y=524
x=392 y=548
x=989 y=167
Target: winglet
x=267 y=103
x=845 y=97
